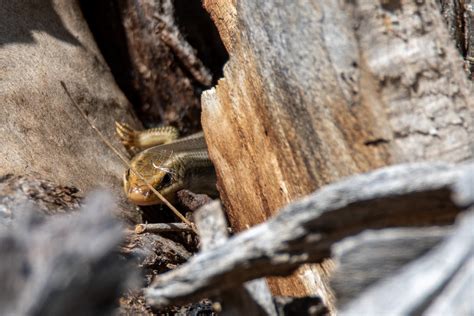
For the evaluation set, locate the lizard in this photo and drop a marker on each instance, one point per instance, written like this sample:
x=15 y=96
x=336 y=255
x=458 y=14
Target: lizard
x=167 y=162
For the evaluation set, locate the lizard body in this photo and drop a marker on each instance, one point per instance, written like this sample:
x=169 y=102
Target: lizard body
x=167 y=163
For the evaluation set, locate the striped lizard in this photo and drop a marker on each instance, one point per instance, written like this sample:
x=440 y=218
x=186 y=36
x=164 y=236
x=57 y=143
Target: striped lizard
x=167 y=162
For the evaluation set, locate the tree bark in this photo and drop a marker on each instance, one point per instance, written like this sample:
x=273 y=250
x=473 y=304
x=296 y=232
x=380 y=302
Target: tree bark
x=155 y=43
x=317 y=91
x=458 y=15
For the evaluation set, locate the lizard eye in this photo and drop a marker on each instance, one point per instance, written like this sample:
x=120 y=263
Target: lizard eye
x=166 y=181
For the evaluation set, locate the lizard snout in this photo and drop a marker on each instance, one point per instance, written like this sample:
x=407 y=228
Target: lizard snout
x=141 y=196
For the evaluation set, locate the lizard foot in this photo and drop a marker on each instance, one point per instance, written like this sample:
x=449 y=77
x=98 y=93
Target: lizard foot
x=139 y=140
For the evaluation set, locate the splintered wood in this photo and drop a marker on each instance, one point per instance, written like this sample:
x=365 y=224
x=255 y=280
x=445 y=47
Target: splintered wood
x=307 y=98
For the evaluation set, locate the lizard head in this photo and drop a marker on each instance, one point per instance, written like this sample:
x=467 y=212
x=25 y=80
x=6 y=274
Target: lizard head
x=160 y=169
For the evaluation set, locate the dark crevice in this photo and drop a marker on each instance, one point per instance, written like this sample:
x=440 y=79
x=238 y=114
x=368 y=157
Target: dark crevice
x=197 y=27
x=376 y=142
x=391 y=5
x=105 y=21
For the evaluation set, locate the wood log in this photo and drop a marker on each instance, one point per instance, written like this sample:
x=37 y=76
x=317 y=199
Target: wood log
x=252 y=298
x=306 y=230
x=446 y=268
x=317 y=91
x=371 y=256
x=43 y=42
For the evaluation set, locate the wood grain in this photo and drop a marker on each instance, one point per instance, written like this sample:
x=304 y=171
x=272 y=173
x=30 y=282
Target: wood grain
x=317 y=91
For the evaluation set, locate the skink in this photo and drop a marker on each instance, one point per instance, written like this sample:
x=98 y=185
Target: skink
x=173 y=165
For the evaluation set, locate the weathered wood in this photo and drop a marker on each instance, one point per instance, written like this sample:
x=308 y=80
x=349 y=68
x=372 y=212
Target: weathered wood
x=317 y=91
x=253 y=298
x=212 y=225
x=405 y=195
x=279 y=131
x=62 y=264
x=411 y=69
x=159 y=52
x=426 y=280
x=43 y=42
x=371 y=256
x=21 y=195
x=456 y=297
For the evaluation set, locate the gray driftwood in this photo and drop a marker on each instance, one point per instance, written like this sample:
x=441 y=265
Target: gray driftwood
x=26 y=203
x=436 y=284
x=404 y=195
x=62 y=264
x=251 y=298
x=373 y=255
